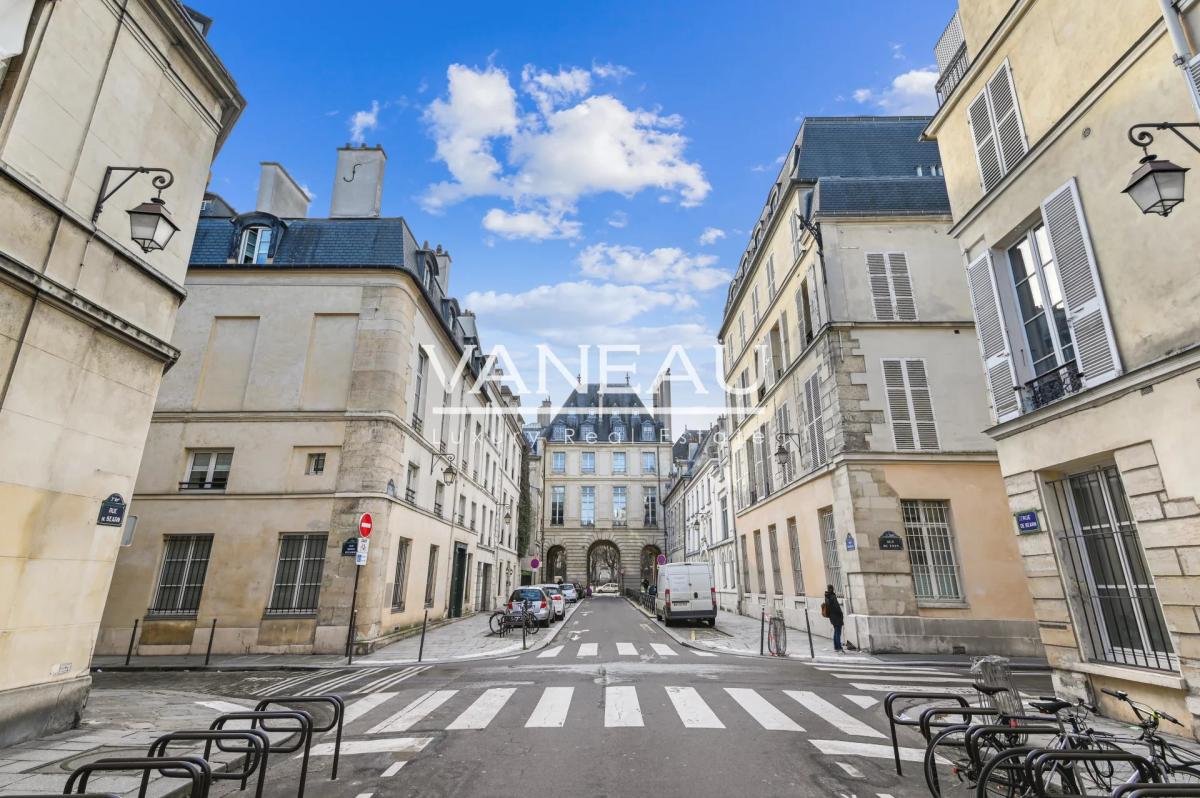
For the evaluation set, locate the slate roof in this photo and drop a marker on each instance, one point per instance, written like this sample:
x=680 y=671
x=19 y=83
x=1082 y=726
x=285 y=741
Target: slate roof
x=878 y=196
x=863 y=146
x=582 y=408
x=310 y=242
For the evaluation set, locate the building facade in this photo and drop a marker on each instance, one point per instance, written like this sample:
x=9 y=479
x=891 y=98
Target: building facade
x=326 y=373
x=86 y=313
x=1089 y=330
x=857 y=405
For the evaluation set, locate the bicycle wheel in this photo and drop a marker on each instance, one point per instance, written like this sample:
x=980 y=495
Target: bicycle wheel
x=1004 y=775
x=496 y=623
x=1184 y=774
x=781 y=639
x=945 y=759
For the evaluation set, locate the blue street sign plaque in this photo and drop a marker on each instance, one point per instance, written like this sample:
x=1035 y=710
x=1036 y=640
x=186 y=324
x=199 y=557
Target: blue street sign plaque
x=1028 y=522
x=890 y=541
x=112 y=511
x=350 y=547
x=849 y=542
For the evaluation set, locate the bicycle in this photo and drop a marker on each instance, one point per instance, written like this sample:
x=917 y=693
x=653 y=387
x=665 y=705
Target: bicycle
x=777 y=636
x=1174 y=763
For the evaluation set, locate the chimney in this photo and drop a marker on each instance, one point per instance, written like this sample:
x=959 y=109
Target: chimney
x=279 y=194
x=443 y=262
x=544 y=414
x=358 y=183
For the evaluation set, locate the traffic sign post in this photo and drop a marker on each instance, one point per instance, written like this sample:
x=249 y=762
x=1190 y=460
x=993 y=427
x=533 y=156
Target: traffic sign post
x=365 y=525
x=362 y=545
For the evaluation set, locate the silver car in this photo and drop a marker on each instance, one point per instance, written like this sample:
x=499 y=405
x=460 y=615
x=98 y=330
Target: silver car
x=540 y=606
x=558 y=602
x=569 y=592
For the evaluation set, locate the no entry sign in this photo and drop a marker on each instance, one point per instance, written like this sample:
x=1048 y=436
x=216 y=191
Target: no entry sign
x=535 y=563
x=365 y=525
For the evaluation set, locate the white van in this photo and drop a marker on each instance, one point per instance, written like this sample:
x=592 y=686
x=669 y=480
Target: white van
x=686 y=591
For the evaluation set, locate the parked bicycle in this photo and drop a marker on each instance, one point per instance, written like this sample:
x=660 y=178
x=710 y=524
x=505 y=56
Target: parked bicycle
x=777 y=636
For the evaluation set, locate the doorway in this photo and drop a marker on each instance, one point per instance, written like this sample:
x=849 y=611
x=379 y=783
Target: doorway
x=458 y=580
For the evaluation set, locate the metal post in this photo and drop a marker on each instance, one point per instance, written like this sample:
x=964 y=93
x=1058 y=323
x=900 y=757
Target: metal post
x=812 y=654
x=424 y=626
x=524 y=631
x=353 y=614
x=353 y=624
x=762 y=630
x=132 y=637
x=211 y=634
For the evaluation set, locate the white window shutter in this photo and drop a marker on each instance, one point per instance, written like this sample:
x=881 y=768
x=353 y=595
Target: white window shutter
x=816 y=425
x=902 y=290
x=1193 y=79
x=987 y=154
x=1087 y=312
x=922 y=404
x=783 y=339
x=897 y=403
x=1006 y=116
x=813 y=304
x=768 y=361
x=993 y=339
x=881 y=291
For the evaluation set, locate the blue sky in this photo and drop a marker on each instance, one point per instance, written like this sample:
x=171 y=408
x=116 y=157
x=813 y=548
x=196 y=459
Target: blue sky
x=570 y=156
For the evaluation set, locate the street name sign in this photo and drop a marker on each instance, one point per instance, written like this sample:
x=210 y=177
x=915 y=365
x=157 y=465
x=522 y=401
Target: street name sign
x=112 y=511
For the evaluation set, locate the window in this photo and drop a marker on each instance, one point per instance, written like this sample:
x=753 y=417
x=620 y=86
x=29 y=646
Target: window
x=776 y=572
x=995 y=121
x=784 y=341
x=559 y=433
x=910 y=407
x=400 y=585
x=829 y=545
x=298 y=575
x=754 y=304
x=474 y=514
x=650 y=500
x=419 y=389
x=758 y=563
x=814 y=424
x=783 y=423
x=770 y=278
x=1040 y=302
x=439 y=497
x=588 y=432
x=724 y=518
x=184 y=565
x=931 y=550
x=797 y=237
x=410 y=486
x=765 y=459
x=794 y=548
x=587 y=505
x=647 y=431
x=587 y=463
x=804 y=315
x=745 y=566
x=619 y=433
x=462 y=510
x=316 y=464
x=891 y=286
x=558 y=462
x=618 y=509
x=431 y=576
x=208 y=471
x=742 y=328
x=618 y=464
x=649 y=463
x=256 y=242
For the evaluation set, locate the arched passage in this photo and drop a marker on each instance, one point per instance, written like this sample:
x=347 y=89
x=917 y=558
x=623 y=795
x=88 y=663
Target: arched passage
x=604 y=563
x=649 y=563
x=556 y=564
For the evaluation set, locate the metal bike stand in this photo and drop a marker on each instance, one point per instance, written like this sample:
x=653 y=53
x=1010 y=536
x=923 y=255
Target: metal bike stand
x=339 y=712
x=304 y=726
x=193 y=768
x=256 y=752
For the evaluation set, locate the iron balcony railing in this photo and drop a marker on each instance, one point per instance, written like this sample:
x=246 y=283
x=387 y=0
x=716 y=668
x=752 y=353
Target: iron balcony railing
x=952 y=74
x=437 y=509
x=1056 y=384
x=216 y=483
x=410 y=495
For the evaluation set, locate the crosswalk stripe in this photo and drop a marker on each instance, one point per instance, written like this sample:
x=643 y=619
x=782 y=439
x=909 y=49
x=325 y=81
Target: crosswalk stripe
x=484 y=710
x=551 y=709
x=851 y=771
x=886 y=669
x=762 y=710
x=364 y=705
x=391 y=680
x=407 y=745
x=703 y=653
x=393 y=769
x=855 y=748
x=626 y=649
x=588 y=650
x=864 y=701
x=291 y=682
x=873 y=687
x=332 y=684
x=553 y=651
x=621 y=707
x=692 y=710
x=663 y=650
x=832 y=714
x=905 y=676
x=414 y=713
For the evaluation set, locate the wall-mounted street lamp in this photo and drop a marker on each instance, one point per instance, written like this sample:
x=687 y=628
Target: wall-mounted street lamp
x=150 y=225
x=506 y=508
x=1157 y=186
x=448 y=473
x=781 y=454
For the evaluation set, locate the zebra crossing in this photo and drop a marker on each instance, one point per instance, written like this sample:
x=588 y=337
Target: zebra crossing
x=343 y=681
x=882 y=677
x=589 y=650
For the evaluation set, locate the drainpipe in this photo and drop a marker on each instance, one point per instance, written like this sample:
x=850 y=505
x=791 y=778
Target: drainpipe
x=1183 y=50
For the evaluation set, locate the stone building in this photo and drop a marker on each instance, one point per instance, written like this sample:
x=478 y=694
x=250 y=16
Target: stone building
x=326 y=372
x=605 y=458
x=1090 y=330
x=85 y=311
x=857 y=404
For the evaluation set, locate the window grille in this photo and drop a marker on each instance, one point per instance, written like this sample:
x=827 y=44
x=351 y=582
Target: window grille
x=400 y=585
x=931 y=550
x=829 y=544
x=298 y=574
x=181 y=580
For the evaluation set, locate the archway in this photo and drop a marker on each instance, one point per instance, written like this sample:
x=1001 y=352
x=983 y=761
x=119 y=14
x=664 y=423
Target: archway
x=649 y=564
x=556 y=564
x=604 y=563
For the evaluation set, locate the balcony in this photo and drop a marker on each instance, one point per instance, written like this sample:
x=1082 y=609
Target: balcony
x=217 y=483
x=952 y=74
x=1052 y=386
x=437 y=509
x=410 y=495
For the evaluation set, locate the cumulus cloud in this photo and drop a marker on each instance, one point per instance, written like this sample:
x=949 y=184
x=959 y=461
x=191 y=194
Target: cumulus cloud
x=576 y=304
x=613 y=71
x=910 y=93
x=549 y=90
x=363 y=121
x=533 y=225
x=711 y=235
x=664 y=267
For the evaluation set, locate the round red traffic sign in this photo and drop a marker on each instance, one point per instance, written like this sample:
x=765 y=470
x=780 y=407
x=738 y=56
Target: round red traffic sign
x=662 y=559
x=365 y=525
x=534 y=563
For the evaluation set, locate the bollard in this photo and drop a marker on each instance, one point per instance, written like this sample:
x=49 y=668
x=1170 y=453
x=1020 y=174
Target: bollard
x=424 y=626
x=524 y=631
x=132 y=637
x=211 y=634
x=808 y=630
x=762 y=630
x=350 y=643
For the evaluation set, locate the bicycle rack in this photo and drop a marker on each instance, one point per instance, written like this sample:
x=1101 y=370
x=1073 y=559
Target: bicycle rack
x=972 y=737
x=893 y=721
x=254 y=760
x=1039 y=761
x=339 y=712
x=1146 y=790
x=59 y=795
x=259 y=719
x=927 y=724
x=193 y=768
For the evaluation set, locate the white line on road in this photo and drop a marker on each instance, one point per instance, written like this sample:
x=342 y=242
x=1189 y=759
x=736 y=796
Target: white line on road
x=393 y=769
x=621 y=707
x=332 y=684
x=553 y=651
x=364 y=705
x=905 y=676
x=626 y=649
x=663 y=650
x=223 y=706
x=885 y=669
x=484 y=710
x=407 y=745
x=703 y=653
x=364 y=795
x=551 y=709
x=291 y=682
x=823 y=709
x=391 y=680
x=852 y=748
x=864 y=701
x=873 y=687
x=851 y=771
x=588 y=650
x=692 y=710
x=412 y=714
x=762 y=710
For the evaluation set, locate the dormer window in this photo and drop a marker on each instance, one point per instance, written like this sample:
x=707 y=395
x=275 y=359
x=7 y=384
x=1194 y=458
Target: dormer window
x=256 y=242
x=647 y=431
x=559 y=433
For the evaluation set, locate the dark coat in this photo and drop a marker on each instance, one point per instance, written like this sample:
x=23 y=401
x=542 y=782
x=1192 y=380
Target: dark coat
x=836 y=617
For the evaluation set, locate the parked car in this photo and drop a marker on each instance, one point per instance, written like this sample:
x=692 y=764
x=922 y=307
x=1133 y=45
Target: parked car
x=608 y=587
x=569 y=592
x=557 y=601
x=686 y=591
x=539 y=603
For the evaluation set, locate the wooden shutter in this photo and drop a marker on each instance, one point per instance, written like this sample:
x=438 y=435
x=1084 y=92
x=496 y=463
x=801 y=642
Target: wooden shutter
x=993 y=340
x=987 y=154
x=881 y=290
x=1006 y=115
x=891 y=286
x=898 y=408
x=1193 y=78
x=783 y=339
x=816 y=426
x=922 y=403
x=813 y=306
x=768 y=361
x=910 y=405
x=1087 y=312
x=902 y=291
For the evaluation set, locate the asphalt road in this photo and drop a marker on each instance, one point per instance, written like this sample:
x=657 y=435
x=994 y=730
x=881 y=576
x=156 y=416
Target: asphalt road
x=615 y=707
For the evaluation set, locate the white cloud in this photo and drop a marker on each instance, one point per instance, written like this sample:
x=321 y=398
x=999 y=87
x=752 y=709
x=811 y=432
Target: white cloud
x=911 y=93
x=711 y=235
x=898 y=51
x=550 y=90
x=534 y=225
x=563 y=306
x=614 y=71
x=618 y=219
x=363 y=121
x=665 y=267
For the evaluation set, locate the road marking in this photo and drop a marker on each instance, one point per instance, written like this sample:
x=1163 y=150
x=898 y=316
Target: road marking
x=391 y=680
x=393 y=769
x=551 y=709
x=364 y=705
x=223 y=706
x=692 y=710
x=626 y=649
x=905 y=676
x=291 y=682
x=885 y=669
x=873 y=687
x=484 y=710
x=621 y=707
x=587 y=650
x=332 y=684
x=550 y=652
x=823 y=709
x=412 y=714
x=851 y=771
x=762 y=710
x=364 y=795
x=703 y=653
x=864 y=701
x=853 y=748
x=663 y=650
x=407 y=745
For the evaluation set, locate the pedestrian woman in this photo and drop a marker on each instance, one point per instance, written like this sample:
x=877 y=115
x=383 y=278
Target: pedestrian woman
x=832 y=610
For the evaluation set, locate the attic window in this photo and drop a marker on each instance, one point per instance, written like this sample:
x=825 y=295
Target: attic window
x=647 y=431
x=559 y=433
x=256 y=242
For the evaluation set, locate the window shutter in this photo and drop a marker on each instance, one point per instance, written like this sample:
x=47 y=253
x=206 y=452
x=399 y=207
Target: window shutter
x=1087 y=312
x=816 y=426
x=897 y=402
x=768 y=361
x=783 y=340
x=1193 y=78
x=993 y=340
x=910 y=405
x=1010 y=134
x=922 y=404
x=881 y=292
x=979 y=116
x=902 y=291
x=813 y=305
